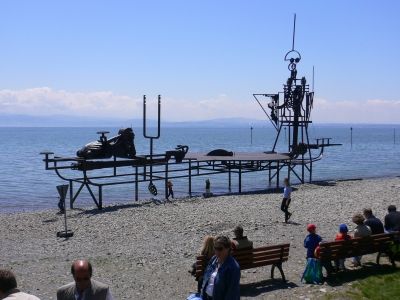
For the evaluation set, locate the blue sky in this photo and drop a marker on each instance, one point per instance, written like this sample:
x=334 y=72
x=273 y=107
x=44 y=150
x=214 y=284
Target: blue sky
x=205 y=58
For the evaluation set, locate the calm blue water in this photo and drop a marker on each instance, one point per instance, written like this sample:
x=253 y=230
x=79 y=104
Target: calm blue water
x=26 y=185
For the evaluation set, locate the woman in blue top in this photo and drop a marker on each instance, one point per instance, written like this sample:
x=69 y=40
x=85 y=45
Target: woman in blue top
x=222 y=276
x=287 y=192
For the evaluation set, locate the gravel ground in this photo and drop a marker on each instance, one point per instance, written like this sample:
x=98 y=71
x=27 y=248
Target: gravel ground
x=144 y=249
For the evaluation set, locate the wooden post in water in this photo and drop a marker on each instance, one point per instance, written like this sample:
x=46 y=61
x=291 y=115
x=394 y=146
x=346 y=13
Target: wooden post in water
x=251 y=130
x=351 y=136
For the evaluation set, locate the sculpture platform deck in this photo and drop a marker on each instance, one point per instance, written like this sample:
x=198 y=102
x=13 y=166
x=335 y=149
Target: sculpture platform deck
x=239 y=156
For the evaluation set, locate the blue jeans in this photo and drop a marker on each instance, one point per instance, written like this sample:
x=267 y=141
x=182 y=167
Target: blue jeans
x=340 y=263
x=357 y=260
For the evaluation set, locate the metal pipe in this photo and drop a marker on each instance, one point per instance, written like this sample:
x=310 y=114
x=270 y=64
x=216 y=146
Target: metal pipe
x=240 y=176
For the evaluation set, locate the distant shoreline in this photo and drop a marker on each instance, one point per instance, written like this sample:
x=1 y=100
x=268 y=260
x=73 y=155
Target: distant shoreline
x=61 y=121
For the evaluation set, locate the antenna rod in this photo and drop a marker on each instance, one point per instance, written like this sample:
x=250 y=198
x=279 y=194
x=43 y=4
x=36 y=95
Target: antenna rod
x=294 y=30
x=313 y=79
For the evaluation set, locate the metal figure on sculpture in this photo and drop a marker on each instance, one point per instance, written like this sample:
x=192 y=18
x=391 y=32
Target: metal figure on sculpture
x=121 y=146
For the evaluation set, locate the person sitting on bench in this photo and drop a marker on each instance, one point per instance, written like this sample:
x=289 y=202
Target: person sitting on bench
x=208 y=251
x=392 y=219
x=373 y=222
x=240 y=242
x=360 y=231
x=342 y=235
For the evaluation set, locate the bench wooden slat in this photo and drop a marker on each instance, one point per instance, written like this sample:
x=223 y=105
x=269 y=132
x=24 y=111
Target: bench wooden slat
x=266 y=259
x=351 y=248
x=262 y=251
x=266 y=248
x=259 y=264
x=263 y=257
x=346 y=247
x=278 y=256
x=378 y=238
x=276 y=253
x=348 y=243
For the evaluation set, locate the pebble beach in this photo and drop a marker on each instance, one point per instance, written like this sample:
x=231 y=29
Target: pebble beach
x=144 y=249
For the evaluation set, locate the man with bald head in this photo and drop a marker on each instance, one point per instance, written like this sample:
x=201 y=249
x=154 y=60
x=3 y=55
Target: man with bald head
x=83 y=287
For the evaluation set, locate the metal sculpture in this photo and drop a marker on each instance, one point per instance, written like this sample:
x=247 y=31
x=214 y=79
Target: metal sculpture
x=292 y=109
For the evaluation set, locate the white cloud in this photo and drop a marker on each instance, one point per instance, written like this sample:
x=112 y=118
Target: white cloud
x=45 y=101
x=370 y=111
x=221 y=107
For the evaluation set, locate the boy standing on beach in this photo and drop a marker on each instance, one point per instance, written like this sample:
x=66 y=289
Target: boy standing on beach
x=312 y=240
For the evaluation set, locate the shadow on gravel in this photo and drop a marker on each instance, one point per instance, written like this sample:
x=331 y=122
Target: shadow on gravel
x=110 y=209
x=324 y=183
x=367 y=270
x=115 y=207
x=265 y=191
x=293 y=223
x=257 y=288
x=50 y=220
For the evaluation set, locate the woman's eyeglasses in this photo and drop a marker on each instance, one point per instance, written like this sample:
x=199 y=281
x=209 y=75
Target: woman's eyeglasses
x=219 y=248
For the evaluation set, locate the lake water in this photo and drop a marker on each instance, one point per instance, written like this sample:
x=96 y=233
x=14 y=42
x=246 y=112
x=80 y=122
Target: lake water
x=26 y=185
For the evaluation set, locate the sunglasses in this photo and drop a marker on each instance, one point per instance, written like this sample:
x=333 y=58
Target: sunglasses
x=77 y=279
x=219 y=248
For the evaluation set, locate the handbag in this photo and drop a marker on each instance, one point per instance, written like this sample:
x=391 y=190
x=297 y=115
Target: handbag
x=313 y=272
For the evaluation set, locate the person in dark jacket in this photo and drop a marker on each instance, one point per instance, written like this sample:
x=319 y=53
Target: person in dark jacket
x=241 y=242
x=374 y=223
x=392 y=219
x=222 y=275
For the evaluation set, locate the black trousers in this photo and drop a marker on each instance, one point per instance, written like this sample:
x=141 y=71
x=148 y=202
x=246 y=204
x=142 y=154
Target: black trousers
x=285 y=208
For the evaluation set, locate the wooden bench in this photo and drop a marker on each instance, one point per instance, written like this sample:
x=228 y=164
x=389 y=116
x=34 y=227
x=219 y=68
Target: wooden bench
x=273 y=255
x=330 y=251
